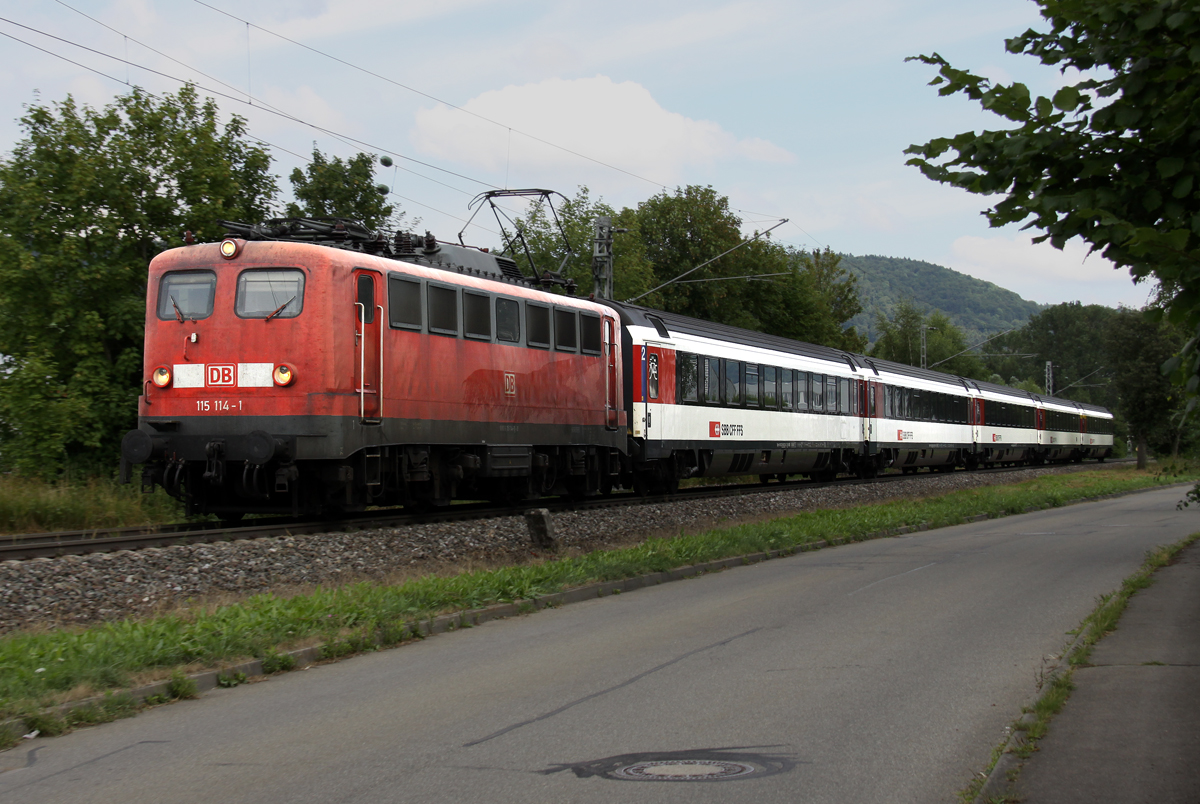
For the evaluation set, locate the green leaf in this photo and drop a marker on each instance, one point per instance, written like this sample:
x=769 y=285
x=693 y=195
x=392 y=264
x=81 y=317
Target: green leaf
x=1184 y=186
x=1066 y=99
x=1170 y=166
x=1149 y=19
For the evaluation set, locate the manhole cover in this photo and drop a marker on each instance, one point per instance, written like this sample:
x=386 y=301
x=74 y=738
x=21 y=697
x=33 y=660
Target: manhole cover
x=683 y=770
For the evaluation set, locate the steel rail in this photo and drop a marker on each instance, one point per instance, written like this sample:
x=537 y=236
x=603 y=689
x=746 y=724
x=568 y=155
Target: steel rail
x=25 y=546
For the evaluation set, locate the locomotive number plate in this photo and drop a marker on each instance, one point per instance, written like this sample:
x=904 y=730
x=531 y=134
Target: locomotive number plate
x=218 y=405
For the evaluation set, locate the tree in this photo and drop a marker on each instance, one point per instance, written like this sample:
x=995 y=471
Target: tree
x=1149 y=403
x=838 y=289
x=329 y=188
x=1068 y=336
x=945 y=345
x=87 y=198
x=1110 y=158
x=794 y=299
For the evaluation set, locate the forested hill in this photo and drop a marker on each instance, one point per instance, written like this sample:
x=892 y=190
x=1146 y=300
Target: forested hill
x=979 y=307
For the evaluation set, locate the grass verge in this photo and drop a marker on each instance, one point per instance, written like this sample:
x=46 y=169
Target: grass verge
x=1056 y=688
x=39 y=670
x=32 y=506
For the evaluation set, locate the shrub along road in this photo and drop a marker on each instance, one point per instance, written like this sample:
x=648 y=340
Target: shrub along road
x=882 y=670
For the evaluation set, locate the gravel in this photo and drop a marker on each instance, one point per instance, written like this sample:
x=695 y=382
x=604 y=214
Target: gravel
x=43 y=593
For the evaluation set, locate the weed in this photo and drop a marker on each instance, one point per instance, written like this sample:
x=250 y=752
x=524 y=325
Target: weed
x=231 y=680
x=275 y=662
x=180 y=687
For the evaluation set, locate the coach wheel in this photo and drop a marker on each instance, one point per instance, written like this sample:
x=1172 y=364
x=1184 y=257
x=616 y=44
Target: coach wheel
x=765 y=479
x=231 y=517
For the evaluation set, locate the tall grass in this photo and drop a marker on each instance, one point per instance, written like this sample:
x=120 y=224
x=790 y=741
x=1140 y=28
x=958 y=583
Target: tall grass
x=28 y=505
x=37 y=668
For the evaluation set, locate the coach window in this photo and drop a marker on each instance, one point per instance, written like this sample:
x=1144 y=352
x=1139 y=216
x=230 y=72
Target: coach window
x=803 y=393
x=712 y=380
x=753 y=399
x=404 y=302
x=477 y=315
x=443 y=310
x=855 y=395
x=769 y=384
x=816 y=397
x=785 y=388
x=565 y=337
x=589 y=333
x=733 y=382
x=537 y=319
x=685 y=369
x=831 y=400
x=843 y=395
x=508 y=320
x=186 y=295
x=279 y=293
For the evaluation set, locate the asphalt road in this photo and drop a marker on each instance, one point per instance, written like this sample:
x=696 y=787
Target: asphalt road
x=880 y=671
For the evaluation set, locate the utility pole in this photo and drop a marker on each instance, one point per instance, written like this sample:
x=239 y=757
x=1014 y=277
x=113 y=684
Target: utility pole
x=1049 y=378
x=602 y=258
x=924 y=329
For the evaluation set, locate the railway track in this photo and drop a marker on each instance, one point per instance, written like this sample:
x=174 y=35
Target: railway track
x=22 y=547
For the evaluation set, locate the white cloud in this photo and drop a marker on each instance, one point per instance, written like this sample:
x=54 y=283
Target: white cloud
x=616 y=123
x=1043 y=273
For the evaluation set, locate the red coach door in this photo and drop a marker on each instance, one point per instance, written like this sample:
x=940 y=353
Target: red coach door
x=368 y=345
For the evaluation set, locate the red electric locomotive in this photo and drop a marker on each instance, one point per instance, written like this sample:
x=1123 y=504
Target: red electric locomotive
x=284 y=375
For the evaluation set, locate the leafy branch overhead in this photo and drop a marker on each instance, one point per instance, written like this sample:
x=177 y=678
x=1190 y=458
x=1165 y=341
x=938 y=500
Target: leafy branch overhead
x=1110 y=158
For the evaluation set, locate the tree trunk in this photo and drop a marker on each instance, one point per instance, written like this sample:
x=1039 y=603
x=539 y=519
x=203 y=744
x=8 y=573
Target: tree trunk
x=1142 y=452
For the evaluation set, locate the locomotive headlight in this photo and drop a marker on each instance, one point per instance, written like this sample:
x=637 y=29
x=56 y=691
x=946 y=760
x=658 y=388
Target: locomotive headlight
x=230 y=248
x=283 y=374
x=161 y=377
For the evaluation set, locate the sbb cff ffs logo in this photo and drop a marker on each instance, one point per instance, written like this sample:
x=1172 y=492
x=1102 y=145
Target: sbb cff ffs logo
x=220 y=374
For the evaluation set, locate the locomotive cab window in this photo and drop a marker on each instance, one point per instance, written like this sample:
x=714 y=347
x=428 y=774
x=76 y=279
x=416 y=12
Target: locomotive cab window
x=187 y=295
x=366 y=297
x=443 y=310
x=275 y=293
x=565 y=338
x=477 y=315
x=508 y=321
x=404 y=302
x=537 y=318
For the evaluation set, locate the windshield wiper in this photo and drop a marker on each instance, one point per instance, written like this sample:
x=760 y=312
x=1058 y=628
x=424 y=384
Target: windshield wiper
x=178 y=312
x=279 y=309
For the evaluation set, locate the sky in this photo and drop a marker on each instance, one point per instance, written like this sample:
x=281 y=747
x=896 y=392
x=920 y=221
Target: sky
x=797 y=109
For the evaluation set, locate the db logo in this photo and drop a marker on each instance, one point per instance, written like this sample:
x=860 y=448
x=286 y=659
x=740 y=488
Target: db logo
x=220 y=374
x=510 y=384
x=714 y=429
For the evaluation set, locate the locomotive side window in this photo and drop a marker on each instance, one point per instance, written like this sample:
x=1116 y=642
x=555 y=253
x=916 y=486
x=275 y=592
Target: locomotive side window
x=565 y=338
x=802 y=392
x=753 y=400
x=733 y=382
x=685 y=368
x=770 y=394
x=816 y=397
x=443 y=310
x=537 y=319
x=477 y=315
x=508 y=321
x=785 y=386
x=187 y=295
x=712 y=380
x=276 y=293
x=404 y=302
x=589 y=333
